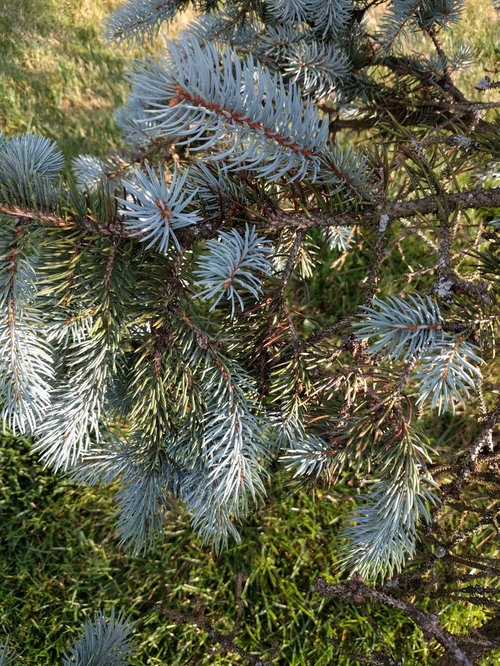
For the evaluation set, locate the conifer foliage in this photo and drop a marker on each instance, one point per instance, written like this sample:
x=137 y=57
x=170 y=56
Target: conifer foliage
x=150 y=333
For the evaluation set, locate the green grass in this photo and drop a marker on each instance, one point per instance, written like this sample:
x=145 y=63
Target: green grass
x=57 y=78
x=60 y=563
x=58 y=551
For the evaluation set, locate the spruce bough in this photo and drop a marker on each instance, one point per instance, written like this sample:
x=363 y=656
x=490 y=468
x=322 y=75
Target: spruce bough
x=147 y=332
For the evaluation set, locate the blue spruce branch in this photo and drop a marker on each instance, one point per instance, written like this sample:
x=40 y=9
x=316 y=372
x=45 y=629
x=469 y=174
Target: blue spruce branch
x=234 y=263
x=139 y=20
x=154 y=211
x=249 y=116
x=104 y=641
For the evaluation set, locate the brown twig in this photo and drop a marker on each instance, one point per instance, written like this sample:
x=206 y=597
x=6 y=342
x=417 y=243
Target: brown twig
x=467 y=465
x=354 y=590
x=370 y=215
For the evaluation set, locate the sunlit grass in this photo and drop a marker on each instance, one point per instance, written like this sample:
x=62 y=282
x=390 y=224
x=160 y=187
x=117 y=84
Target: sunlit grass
x=58 y=78
x=479 y=29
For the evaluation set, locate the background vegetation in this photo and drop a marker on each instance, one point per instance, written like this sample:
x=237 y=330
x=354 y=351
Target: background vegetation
x=58 y=554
